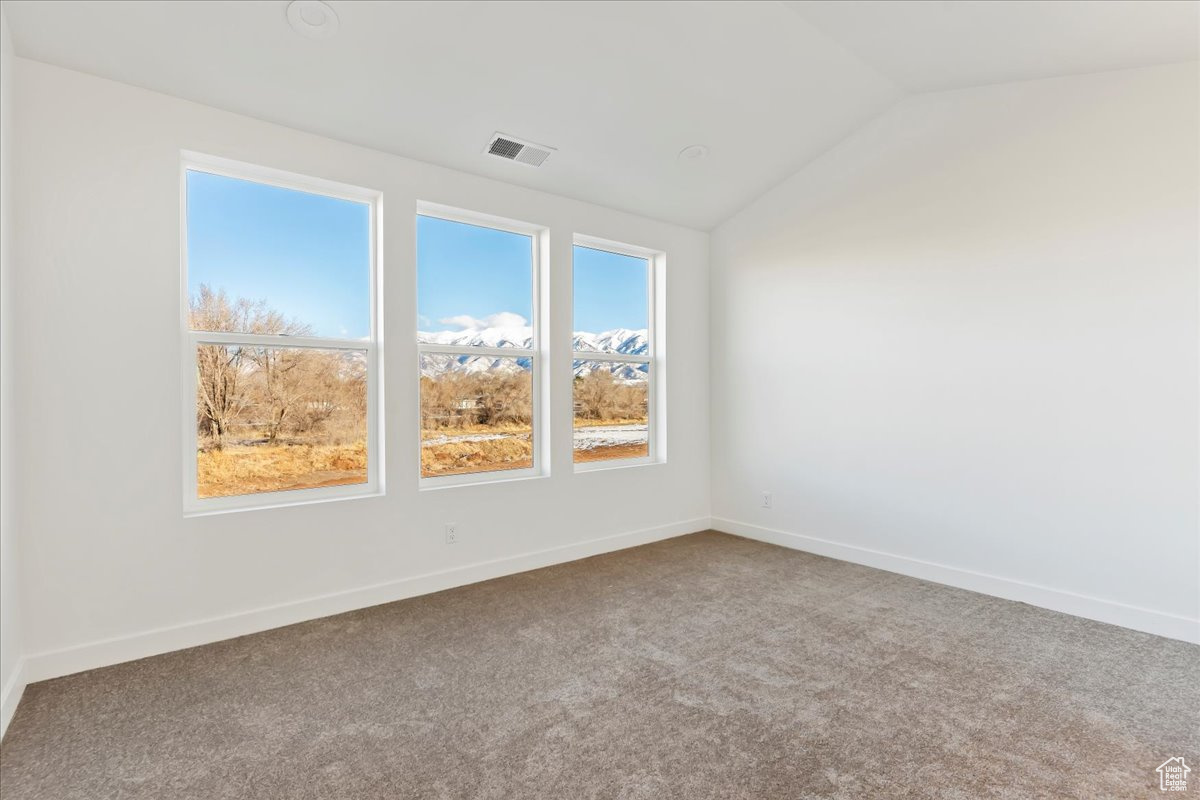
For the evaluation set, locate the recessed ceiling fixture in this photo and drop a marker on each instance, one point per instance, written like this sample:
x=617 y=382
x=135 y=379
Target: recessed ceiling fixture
x=693 y=152
x=510 y=148
x=312 y=19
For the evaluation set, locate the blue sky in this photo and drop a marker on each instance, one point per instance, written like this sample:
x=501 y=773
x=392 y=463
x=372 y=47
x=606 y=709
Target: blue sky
x=610 y=291
x=465 y=273
x=307 y=255
x=469 y=276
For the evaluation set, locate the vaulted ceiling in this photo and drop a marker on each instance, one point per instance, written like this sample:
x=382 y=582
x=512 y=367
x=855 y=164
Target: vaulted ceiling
x=620 y=88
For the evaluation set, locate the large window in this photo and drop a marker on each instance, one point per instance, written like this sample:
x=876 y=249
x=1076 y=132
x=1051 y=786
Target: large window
x=279 y=342
x=613 y=353
x=477 y=342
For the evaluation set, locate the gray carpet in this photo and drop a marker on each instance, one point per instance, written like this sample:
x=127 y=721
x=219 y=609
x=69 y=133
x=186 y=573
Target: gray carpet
x=701 y=667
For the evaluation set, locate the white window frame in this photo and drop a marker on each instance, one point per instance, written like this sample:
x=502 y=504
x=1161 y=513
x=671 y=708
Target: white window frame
x=655 y=336
x=191 y=339
x=537 y=355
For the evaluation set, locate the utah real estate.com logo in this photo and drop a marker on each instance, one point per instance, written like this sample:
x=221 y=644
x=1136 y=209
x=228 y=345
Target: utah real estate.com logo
x=1173 y=775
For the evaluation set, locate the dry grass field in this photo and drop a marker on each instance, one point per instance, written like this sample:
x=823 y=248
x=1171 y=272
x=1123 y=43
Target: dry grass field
x=243 y=469
x=250 y=468
x=612 y=452
x=463 y=456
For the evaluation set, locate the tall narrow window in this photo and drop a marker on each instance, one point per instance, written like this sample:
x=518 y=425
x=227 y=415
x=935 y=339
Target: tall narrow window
x=280 y=346
x=477 y=333
x=613 y=353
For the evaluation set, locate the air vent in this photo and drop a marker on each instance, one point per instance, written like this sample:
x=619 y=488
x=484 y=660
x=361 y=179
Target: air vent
x=511 y=148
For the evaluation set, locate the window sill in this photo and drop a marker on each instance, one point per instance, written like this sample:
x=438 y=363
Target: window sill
x=265 y=501
x=618 y=463
x=478 y=479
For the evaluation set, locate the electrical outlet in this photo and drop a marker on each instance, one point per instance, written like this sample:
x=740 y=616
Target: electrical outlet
x=451 y=533
x=766 y=500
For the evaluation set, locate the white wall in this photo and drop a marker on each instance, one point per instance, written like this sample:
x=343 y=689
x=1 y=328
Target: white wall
x=106 y=551
x=963 y=345
x=11 y=682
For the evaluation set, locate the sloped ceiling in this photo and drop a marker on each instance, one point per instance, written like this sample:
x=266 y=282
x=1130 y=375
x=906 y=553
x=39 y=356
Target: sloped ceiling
x=934 y=44
x=618 y=87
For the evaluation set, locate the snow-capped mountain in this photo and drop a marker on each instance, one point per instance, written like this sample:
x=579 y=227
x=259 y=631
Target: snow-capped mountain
x=519 y=337
x=621 y=340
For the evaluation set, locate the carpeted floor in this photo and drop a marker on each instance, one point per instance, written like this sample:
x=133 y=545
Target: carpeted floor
x=701 y=667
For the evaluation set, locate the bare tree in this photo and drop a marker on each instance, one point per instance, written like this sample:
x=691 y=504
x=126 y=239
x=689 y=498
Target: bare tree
x=594 y=395
x=220 y=386
x=281 y=372
x=221 y=395
x=460 y=399
x=223 y=381
x=600 y=396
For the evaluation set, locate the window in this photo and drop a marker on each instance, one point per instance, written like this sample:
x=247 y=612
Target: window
x=614 y=353
x=479 y=361
x=280 y=338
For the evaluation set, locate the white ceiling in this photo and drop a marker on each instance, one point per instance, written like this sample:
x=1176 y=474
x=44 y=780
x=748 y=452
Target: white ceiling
x=618 y=87
x=927 y=45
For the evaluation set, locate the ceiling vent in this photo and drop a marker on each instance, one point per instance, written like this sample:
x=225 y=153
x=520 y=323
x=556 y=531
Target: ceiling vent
x=511 y=148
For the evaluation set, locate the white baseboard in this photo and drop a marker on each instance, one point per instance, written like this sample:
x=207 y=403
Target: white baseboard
x=55 y=664
x=1095 y=608
x=10 y=695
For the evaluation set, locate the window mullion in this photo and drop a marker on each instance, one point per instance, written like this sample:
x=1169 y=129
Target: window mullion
x=623 y=358
x=469 y=350
x=271 y=340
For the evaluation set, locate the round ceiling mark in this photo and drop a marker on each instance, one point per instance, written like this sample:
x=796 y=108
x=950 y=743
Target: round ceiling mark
x=312 y=19
x=693 y=152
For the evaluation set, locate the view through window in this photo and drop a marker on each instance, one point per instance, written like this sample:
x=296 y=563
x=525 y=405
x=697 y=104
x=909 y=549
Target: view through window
x=279 y=313
x=612 y=355
x=475 y=304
